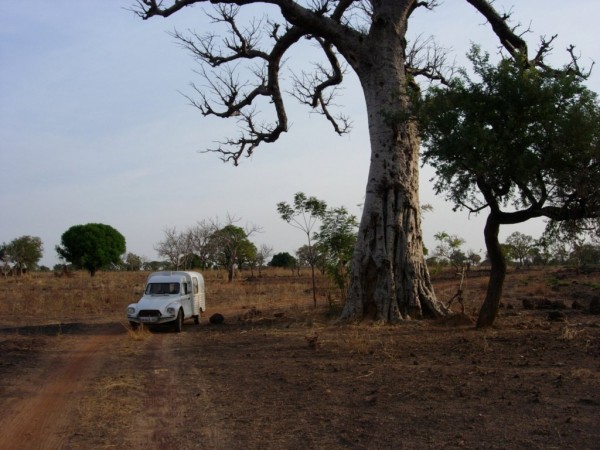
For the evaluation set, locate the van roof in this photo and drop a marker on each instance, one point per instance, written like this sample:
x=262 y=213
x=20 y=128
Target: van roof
x=174 y=276
x=166 y=279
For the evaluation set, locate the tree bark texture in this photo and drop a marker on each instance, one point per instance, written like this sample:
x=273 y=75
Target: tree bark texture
x=389 y=279
x=489 y=308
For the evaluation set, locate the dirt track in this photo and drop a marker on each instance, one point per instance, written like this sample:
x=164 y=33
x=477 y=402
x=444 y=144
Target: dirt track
x=259 y=384
x=39 y=405
x=99 y=386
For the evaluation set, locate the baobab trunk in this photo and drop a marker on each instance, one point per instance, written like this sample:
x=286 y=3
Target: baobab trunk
x=389 y=279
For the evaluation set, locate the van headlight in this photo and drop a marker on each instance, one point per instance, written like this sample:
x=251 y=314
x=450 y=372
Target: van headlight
x=131 y=311
x=171 y=311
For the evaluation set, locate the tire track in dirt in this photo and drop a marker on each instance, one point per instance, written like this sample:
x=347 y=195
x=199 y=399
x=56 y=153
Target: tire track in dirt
x=179 y=411
x=40 y=416
x=157 y=424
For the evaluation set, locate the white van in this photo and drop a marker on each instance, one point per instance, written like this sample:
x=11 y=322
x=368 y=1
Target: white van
x=169 y=298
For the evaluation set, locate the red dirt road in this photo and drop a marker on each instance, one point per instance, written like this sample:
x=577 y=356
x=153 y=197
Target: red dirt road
x=38 y=409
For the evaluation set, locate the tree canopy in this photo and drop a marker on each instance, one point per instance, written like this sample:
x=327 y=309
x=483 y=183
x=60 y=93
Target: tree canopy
x=516 y=136
x=521 y=140
x=283 y=259
x=92 y=246
x=24 y=252
x=233 y=248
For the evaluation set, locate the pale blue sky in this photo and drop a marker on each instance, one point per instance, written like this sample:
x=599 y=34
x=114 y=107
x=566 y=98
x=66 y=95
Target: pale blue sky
x=93 y=127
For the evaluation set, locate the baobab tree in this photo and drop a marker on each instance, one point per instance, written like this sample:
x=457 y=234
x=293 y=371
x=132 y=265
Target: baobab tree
x=389 y=276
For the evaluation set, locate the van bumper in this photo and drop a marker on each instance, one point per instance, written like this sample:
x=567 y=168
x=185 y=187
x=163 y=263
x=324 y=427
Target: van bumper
x=151 y=320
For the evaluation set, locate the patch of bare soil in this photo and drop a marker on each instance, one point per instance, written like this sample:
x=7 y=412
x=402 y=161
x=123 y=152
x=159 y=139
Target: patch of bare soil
x=41 y=398
x=290 y=378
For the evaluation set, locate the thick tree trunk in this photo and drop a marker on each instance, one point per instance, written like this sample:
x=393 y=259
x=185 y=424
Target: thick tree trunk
x=489 y=309
x=389 y=279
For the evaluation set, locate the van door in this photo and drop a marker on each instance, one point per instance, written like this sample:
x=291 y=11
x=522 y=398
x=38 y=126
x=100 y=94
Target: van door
x=186 y=298
x=195 y=296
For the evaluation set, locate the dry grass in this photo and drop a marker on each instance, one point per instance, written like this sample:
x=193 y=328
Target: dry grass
x=46 y=298
x=141 y=333
x=42 y=295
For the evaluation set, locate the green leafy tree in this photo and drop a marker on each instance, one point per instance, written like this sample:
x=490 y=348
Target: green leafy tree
x=585 y=254
x=304 y=215
x=24 y=252
x=92 y=247
x=449 y=248
x=284 y=260
x=520 y=246
x=473 y=258
x=133 y=262
x=247 y=255
x=522 y=141
x=336 y=240
x=232 y=248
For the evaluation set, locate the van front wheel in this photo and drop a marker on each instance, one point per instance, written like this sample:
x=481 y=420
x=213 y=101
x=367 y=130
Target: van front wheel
x=179 y=322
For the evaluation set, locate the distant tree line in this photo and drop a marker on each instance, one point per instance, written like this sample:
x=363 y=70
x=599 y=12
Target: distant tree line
x=519 y=249
x=212 y=244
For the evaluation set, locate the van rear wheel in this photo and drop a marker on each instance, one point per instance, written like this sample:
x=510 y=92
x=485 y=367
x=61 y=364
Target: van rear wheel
x=197 y=319
x=179 y=322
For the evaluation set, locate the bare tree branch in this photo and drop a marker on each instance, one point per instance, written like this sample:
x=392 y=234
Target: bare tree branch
x=312 y=89
x=513 y=43
x=517 y=47
x=426 y=58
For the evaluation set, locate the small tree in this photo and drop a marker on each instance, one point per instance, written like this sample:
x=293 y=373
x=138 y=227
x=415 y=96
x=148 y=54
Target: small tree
x=246 y=255
x=24 y=252
x=202 y=245
x=232 y=248
x=521 y=141
x=519 y=246
x=313 y=255
x=92 y=246
x=585 y=254
x=284 y=260
x=304 y=215
x=449 y=248
x=133 y=262
x=336 y=240
x=176 y=247
x=4 y=259
x=263 y=253
x=473 y=258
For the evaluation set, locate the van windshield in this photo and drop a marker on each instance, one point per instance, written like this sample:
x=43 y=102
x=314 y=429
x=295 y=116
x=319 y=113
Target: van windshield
x=162 y=288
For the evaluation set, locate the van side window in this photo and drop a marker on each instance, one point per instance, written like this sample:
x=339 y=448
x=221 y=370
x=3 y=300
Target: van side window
x=195 y=281
x=185 y=288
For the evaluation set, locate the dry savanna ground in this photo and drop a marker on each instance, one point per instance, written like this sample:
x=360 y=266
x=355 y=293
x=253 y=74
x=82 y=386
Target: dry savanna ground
x=281 y=374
